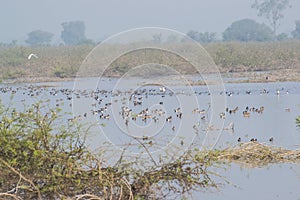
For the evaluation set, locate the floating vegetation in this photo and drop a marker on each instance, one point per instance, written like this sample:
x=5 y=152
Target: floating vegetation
x=254 y=154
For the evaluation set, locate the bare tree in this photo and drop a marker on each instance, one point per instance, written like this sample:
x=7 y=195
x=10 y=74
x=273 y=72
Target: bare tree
x=272 y=10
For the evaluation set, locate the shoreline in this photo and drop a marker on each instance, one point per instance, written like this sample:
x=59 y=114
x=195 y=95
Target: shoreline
x=286 y=75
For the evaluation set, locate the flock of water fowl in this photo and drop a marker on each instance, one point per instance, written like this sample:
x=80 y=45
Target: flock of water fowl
x=132 y=101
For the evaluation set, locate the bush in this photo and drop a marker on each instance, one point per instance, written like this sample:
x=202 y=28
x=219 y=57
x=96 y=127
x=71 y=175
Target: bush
x=42 y=158
x=298 y=121
x=246 y=30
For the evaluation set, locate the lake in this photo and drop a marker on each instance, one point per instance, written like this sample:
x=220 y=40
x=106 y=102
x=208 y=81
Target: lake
x=140 y=118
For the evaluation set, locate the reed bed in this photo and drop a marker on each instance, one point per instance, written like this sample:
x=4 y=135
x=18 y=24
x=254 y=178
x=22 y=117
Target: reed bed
x=64 y=61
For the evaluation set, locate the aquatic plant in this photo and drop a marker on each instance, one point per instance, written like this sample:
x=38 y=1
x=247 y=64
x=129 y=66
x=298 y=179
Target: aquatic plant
x=298 y=121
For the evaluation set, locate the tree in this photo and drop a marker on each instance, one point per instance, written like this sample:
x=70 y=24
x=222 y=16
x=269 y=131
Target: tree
x=282 y=36
x=296 y=32
x=157 y=38
x=247 y=30
x=272 y=10
x=39 y=37
x=205 y=37
x=193 y=34
x=73 y=32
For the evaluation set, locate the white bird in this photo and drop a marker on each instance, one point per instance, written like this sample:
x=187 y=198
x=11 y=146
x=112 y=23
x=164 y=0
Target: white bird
x=229 y=127
x=32 y=55
x=162 y=89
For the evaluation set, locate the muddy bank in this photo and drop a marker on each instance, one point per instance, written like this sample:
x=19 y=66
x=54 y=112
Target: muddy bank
x=284 y=75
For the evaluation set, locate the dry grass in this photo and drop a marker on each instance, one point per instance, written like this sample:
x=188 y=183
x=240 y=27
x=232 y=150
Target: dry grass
x=64 y=61
x=254 y=154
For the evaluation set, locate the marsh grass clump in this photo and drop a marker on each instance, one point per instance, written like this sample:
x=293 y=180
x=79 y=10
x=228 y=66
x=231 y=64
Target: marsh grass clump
x=254 y=154
x=298 y=121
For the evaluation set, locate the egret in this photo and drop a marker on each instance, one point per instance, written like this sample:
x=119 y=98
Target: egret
x=32 y=55
x=162 y=89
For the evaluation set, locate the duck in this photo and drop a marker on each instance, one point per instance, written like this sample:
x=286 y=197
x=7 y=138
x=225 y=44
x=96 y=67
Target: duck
x=246 y=114
x=222 y=115
x=169 y=119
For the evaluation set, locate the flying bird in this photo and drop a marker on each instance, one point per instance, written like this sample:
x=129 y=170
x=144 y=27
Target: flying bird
x=32 y=55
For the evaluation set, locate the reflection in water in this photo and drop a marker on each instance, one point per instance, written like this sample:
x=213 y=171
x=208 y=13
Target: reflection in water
x=278 y=181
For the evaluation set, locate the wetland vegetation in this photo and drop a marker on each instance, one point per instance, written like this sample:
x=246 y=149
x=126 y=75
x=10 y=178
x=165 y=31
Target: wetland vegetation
x=44 y=155
x=41 y=160
x=171 y=139
x=56 y=62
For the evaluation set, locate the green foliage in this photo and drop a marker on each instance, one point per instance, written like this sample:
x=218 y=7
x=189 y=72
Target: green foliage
x=246 y=30
x=39 y=37
x=271 y=10
x=298 y=121
x=296 y=32
x=60 y=72
x=202 y=37
x=32 y=144
x=43 y=157
x=73 y=32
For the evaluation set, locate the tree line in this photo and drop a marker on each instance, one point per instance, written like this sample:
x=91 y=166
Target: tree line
x=73 y=33
x=249 y=30
x=244 y=30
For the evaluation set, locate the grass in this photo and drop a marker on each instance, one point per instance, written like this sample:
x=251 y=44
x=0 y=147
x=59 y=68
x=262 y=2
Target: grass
x=254 y=154
x=53 y=61
x=254 y=56
x=41 y=158
x=64 y=61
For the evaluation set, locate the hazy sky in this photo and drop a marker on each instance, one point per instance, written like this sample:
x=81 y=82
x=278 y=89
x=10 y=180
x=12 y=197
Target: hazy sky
x=104 y=18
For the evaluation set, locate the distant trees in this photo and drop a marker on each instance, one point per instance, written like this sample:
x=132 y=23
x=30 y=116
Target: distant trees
x=73 y=32
x=247 y=30
x=282 y=36
x=205 y=37
x=272 y=10
x=296 y=32
x=157 y=38
x=39 y=37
